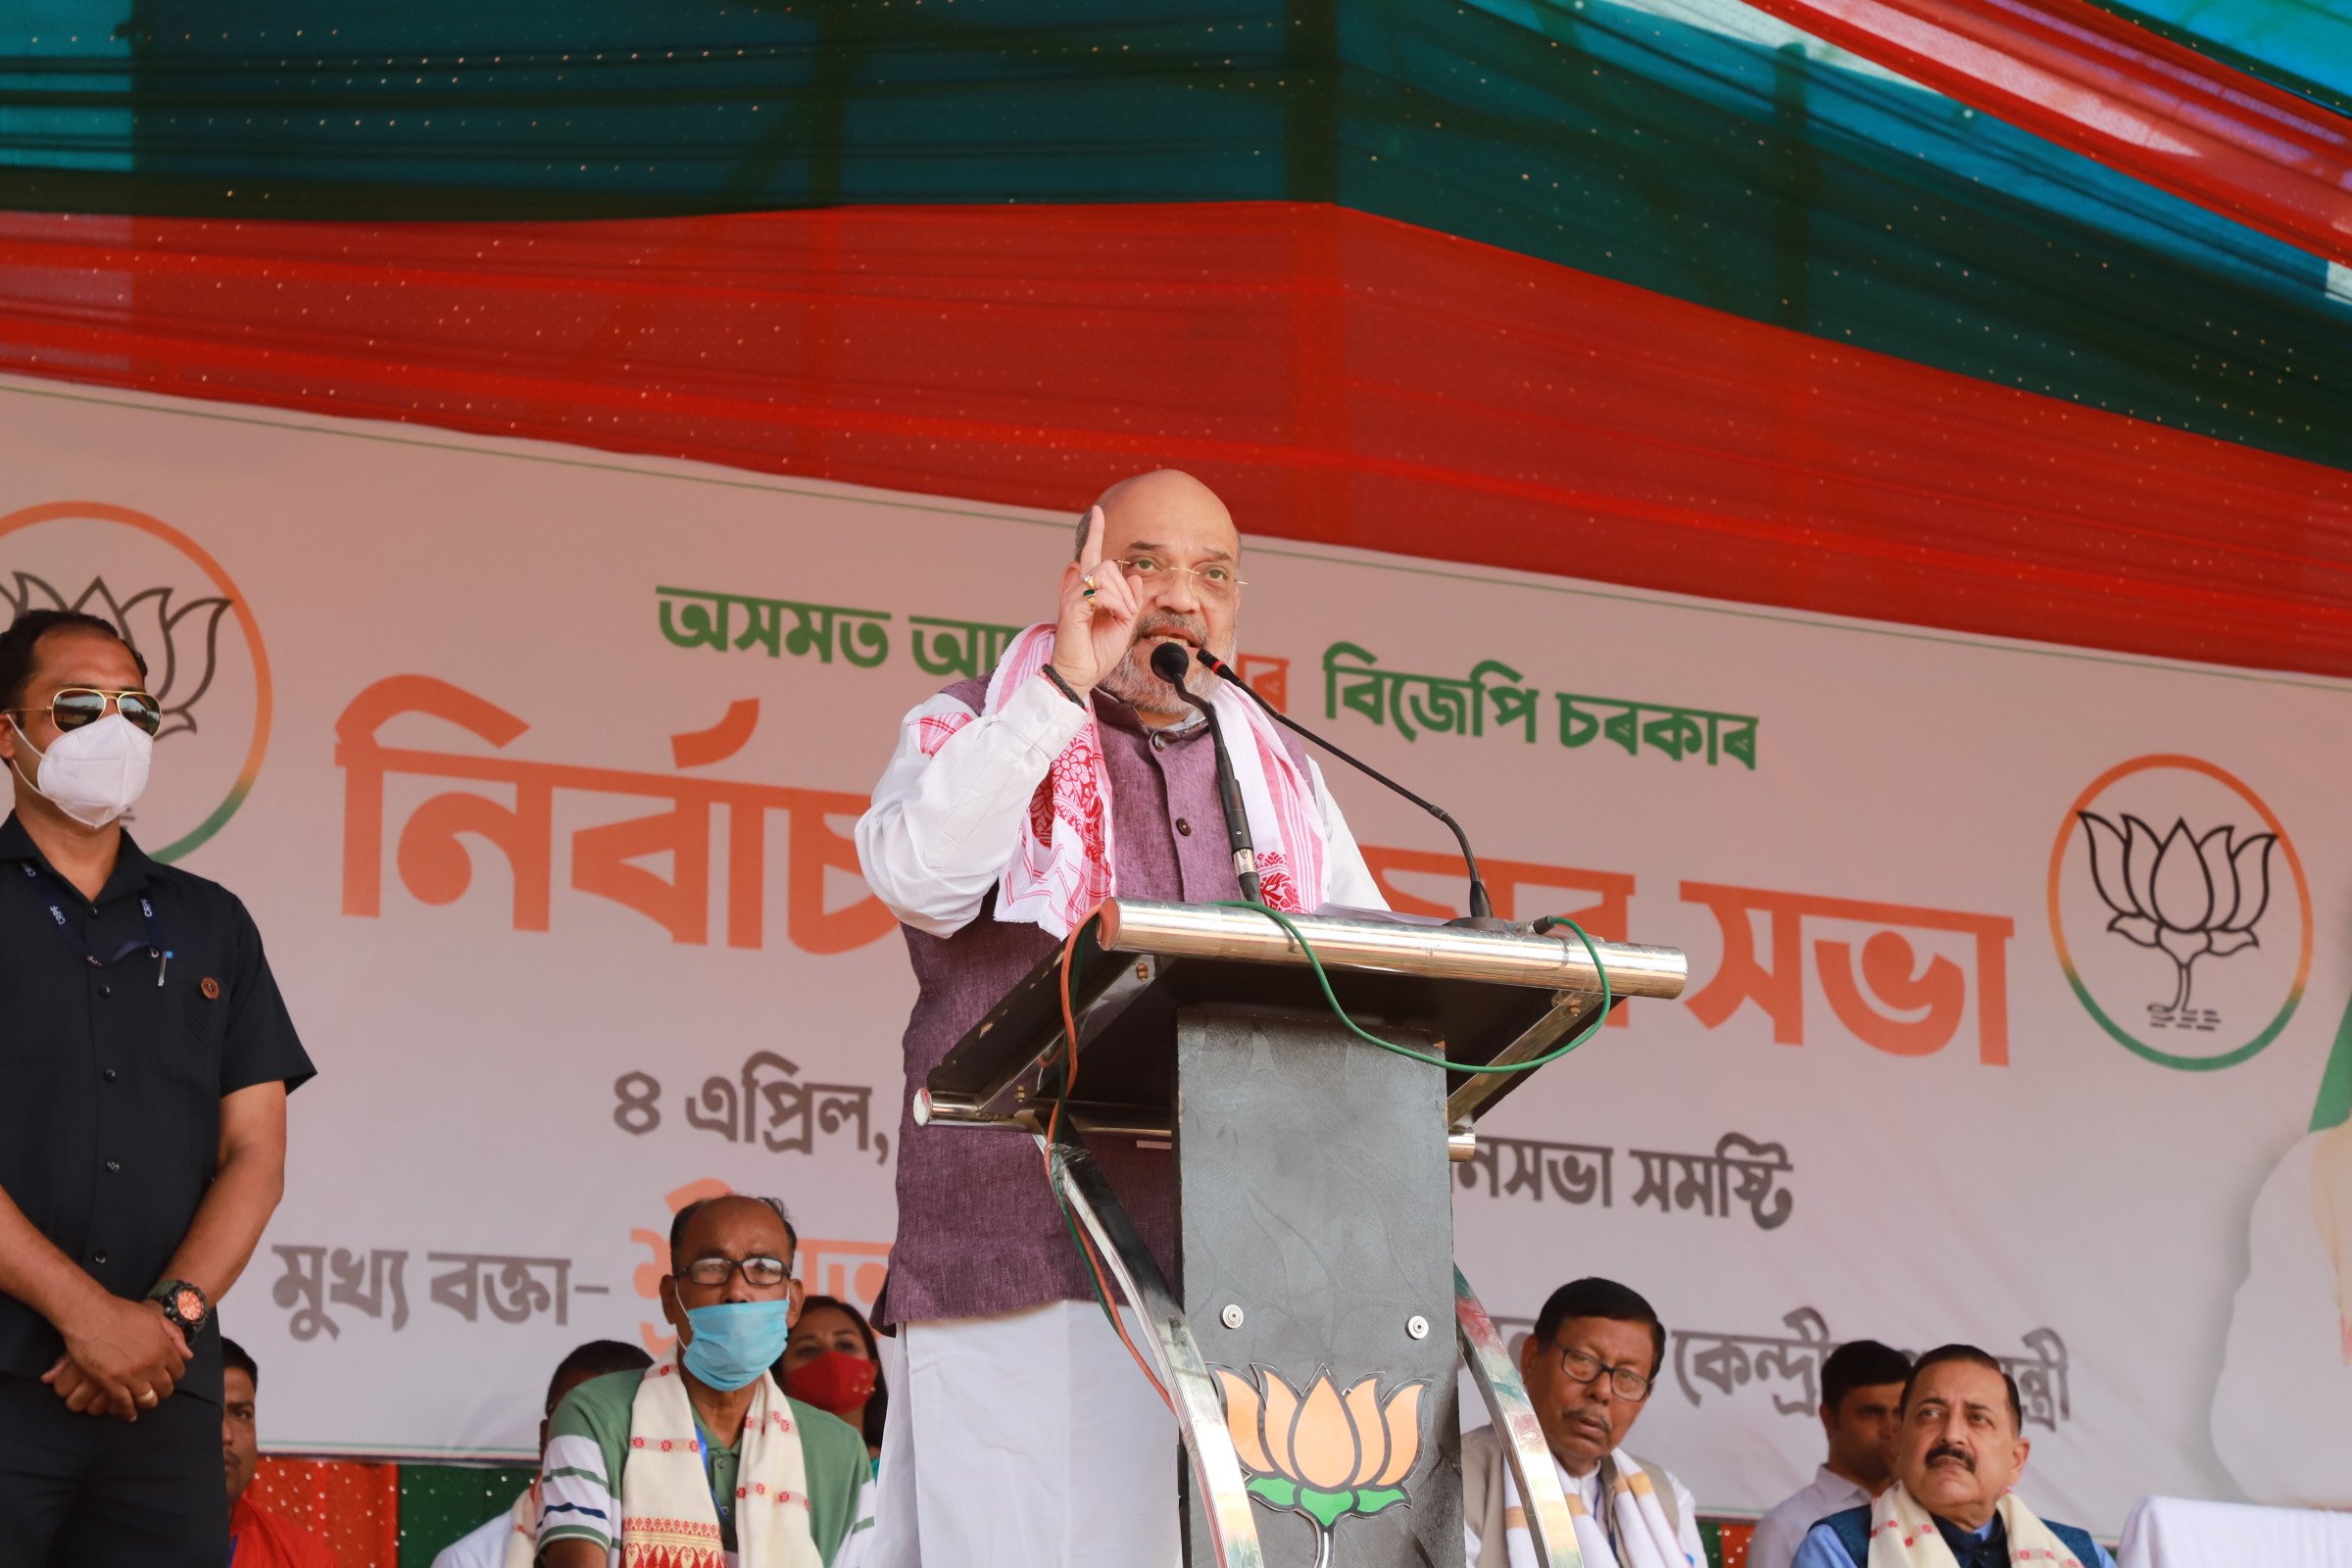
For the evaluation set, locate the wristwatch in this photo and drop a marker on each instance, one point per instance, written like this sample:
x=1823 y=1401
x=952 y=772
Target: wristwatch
x=183 y=1304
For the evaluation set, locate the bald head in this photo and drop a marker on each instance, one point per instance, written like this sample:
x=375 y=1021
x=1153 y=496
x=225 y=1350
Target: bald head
x=1158 y=507
x=1164 y=529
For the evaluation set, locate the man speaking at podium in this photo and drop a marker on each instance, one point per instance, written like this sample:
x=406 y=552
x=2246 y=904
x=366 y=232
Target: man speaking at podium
x=1013 y=805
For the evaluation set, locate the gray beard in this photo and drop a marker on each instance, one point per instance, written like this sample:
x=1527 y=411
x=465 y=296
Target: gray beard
x=1132 y=682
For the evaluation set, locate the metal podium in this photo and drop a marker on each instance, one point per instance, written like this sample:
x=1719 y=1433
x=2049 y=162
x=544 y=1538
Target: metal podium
x=1302 y=1341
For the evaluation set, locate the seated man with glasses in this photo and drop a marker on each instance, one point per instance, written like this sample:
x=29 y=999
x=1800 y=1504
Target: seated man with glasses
x=1589 y=1367
x=701 y=1458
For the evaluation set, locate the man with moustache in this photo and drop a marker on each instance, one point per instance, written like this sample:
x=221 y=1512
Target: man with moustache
x=1019 y=1433
x=1589 y=1368
x=1956 y=1453
x=1861 y=1389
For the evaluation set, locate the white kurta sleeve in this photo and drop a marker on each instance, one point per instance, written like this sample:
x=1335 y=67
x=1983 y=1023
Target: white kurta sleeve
x=945 y=815
x=1349 y=881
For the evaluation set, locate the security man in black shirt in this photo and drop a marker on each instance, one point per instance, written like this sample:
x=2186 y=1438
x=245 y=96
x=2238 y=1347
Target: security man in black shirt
x=145 y=1058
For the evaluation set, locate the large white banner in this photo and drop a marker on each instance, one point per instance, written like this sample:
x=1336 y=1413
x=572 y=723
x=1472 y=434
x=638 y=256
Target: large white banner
x=2015 y=970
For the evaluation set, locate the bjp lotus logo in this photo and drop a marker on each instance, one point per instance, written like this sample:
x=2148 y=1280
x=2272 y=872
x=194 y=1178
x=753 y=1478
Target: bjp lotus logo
x=2190 y=895
x=177 y=604
x=2190 y=944
x=180 y=644
x=1323 y=1454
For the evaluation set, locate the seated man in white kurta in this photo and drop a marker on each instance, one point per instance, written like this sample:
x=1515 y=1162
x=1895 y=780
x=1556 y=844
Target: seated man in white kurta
x=1589 y=1367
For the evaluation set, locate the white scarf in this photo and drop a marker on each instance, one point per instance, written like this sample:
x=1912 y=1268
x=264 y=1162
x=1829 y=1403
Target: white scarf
x=1903 y=1534
x=1064 y=866
x=667 y=1519
x=1648 y=1541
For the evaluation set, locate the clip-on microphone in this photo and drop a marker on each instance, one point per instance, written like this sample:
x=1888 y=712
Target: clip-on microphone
x=1169 y=664
x=1481 y=908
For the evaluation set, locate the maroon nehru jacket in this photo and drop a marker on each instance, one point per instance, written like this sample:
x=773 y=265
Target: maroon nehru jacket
x=978 y=1229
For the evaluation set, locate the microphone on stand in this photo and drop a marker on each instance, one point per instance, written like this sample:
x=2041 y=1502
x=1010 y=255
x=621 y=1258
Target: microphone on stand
x=1482 y=908
x=1169 y=664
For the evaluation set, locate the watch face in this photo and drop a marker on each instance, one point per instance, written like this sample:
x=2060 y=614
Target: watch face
x=187 y=1305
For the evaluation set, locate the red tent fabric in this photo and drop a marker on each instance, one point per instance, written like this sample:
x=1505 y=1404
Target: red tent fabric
x=1339 y=377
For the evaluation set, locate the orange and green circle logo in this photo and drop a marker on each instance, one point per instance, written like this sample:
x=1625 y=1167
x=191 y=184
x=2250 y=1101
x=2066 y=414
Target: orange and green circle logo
x=2180 y=912
x=174 y=603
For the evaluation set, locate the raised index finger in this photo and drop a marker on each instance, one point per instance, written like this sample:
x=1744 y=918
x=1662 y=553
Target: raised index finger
x=1092 y=555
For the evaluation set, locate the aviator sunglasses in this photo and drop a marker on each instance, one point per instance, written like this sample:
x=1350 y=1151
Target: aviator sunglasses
x=75 y=705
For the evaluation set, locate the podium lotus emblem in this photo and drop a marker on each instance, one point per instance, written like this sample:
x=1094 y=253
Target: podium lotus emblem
x=2189 y=895
x=1323 y=1454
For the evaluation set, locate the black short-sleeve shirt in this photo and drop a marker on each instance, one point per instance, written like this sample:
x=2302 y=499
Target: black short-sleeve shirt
x=112 y=1072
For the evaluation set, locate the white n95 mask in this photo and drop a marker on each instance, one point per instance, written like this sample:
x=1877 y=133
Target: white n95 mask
x=95 y=773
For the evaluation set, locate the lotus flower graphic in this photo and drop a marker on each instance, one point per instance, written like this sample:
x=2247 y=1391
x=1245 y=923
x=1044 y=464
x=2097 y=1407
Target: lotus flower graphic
x=178 y=645
x=1323 y=1454
x=2186 y=894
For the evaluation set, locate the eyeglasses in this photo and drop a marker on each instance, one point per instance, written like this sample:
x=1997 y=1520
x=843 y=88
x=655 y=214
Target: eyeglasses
x=1214 y=581
x=762 y=1271
x=75 y=705
x=1624 y=1382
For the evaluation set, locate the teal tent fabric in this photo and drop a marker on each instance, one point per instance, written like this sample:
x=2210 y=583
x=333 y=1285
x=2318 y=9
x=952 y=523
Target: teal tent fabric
x=2304 y=46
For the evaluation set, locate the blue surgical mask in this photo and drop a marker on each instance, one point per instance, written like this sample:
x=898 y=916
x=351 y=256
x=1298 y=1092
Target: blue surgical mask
x=734 y=1343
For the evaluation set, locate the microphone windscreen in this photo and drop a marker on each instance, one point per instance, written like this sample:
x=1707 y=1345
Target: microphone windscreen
x=1169 y=664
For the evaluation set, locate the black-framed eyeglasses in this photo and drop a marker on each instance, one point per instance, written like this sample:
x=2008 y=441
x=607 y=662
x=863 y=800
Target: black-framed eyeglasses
x=72 y=707
x=1624 y=1382
x=758 y=1270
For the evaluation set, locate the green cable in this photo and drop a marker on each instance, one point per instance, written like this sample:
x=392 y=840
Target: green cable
x=1093 y=1284
x=1324 y=980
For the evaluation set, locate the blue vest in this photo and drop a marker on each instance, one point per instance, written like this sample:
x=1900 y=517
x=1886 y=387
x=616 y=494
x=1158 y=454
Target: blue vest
x=1852 y=1529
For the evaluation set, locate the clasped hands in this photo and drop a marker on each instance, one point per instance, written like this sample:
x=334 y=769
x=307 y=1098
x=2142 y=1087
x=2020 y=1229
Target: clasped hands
x=120 y=1357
